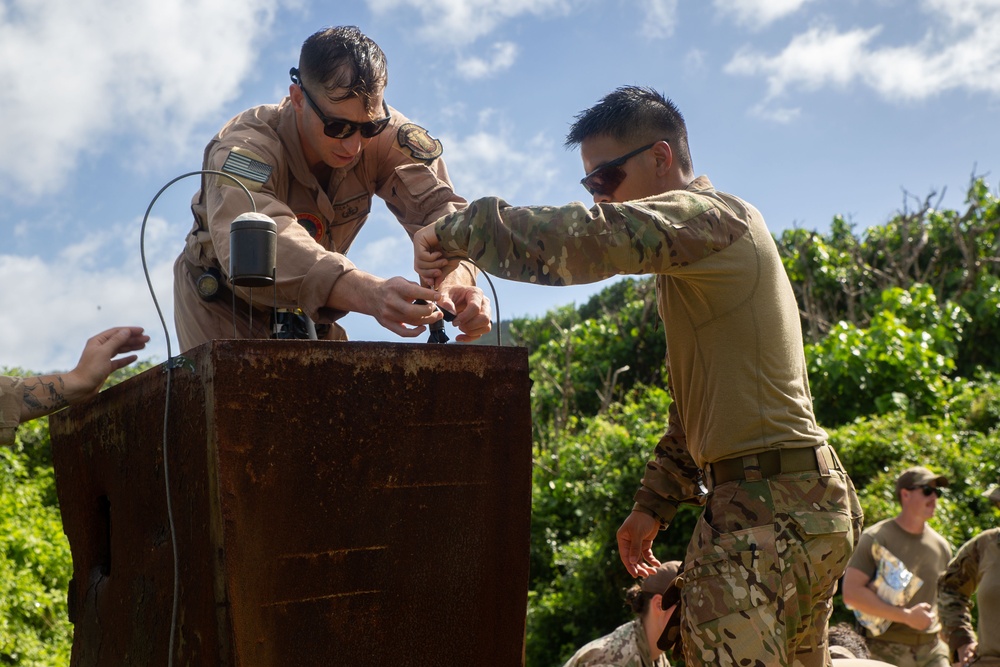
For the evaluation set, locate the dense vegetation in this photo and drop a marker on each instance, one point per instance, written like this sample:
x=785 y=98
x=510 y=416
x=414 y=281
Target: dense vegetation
x=902 y=323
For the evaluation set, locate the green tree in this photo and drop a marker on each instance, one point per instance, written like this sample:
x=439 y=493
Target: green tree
x=35 y=561
x=903 y=359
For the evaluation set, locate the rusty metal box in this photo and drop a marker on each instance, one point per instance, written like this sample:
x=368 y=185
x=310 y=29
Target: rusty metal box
x=333 y=504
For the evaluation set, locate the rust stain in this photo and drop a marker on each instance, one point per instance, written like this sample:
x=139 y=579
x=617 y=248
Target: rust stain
x=330 y=553
x=332 y=596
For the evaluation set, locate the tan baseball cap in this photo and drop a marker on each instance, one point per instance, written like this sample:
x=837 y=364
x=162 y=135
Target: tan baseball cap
x=993 y=493
x=662 y=579
x=919 y=476
x=669 y=640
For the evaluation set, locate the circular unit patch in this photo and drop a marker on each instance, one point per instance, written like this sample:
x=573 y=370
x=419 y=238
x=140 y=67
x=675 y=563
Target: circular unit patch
x=313 y=225
x=419 y=142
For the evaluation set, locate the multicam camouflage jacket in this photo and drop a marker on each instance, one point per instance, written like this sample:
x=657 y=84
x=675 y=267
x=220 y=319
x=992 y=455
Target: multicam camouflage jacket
x=975 y=570
x=625 y=647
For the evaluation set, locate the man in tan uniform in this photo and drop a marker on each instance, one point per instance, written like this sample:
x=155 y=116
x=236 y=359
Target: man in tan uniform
x=313 y=163
x=912 y=640
x=781 y=515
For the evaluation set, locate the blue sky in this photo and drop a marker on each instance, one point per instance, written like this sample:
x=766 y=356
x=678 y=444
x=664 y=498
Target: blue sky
x=806 y=108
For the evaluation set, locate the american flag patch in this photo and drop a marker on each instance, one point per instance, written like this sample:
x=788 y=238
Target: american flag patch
x=247 y=167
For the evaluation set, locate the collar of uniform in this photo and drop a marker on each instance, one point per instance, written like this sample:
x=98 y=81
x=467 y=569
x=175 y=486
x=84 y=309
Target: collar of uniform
x=700 y=183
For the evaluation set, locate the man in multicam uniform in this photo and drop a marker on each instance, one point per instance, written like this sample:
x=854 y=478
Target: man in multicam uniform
x=313 y=163
x=912 y=639
x=781 y=515
x=22 y=399
x=975 y=570
x=634 y=644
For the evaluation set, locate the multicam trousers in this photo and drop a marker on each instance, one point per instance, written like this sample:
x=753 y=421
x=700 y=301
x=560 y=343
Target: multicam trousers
x=931 y=654
x=762 y=568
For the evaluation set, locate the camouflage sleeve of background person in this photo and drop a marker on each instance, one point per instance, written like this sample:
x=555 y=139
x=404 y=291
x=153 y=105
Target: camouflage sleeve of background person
x=11 y=398
x=955 y=589
x=574 y=244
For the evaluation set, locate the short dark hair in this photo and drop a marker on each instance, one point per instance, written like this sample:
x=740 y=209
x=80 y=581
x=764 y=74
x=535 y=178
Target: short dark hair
x=634 y=114
x=844 y=635
x=344 y=58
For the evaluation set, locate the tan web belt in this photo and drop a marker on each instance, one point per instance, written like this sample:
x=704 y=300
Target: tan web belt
x=767 y=464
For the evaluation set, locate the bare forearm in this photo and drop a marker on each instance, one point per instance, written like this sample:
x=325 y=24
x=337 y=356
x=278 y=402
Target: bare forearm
x=354 y=292
x=866 y=600
x=44 y=394
x=464 y=275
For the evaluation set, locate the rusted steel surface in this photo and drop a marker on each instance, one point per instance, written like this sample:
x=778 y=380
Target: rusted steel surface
x=335 y=504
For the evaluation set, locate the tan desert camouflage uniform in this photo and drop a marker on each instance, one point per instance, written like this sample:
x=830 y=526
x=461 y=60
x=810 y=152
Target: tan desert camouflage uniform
x=11 y=399
x=767 y=553
x=625 y=647
x=975 y=570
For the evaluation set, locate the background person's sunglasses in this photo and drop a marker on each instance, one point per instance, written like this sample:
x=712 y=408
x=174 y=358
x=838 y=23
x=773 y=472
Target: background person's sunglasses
x=928 y=490
x=604 y=180
x=338 y=128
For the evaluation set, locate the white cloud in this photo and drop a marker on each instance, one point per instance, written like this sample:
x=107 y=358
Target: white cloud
x=80 y=292
x=694 y=63
x=503 y=57
x=960 y=52
x=757 y=14
x=782 y=115
x=660 y=18
x=386 y=256
x=490 y=161
x=461 y=22
x=821 y=56
x=78 y=73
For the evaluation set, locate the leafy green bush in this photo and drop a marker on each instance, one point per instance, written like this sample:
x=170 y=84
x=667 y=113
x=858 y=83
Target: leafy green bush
x=35 y=563
x=902 y=360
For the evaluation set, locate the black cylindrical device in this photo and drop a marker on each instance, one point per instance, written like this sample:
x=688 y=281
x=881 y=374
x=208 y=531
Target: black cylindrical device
x=253 y=248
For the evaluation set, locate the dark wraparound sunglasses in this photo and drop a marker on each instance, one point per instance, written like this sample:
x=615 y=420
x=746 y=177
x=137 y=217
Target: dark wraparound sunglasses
x=604 y=180
x=927 y=489
x=338 y=128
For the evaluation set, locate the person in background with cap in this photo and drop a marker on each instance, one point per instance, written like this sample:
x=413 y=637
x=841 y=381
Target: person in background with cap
x=313 y=163
x=742 y=439
x=22 y=399
x=635 y=644
x=975 y=570
x=912 y=638
x=848 y=648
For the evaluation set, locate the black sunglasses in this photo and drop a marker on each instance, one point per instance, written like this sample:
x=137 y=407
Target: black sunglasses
x=604 y=180
x=338 y=128
x=927 y=489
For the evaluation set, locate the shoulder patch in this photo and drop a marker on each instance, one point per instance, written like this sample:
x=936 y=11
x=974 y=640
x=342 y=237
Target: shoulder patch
x=248 y=167
x=419 y=142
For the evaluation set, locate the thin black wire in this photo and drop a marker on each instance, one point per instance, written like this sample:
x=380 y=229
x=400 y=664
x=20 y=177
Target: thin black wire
x=166 y=404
